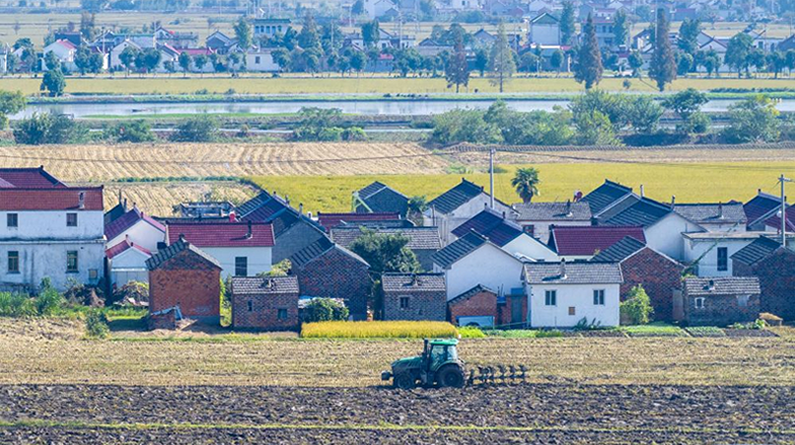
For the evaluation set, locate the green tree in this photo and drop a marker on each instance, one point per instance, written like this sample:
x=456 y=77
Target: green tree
x=51 y=61
x=556 y=60
x=643 y=114
x=88 y=61
x=10 y=103
x=49 y=128
x=318 y=124
x=457 y=71
x=358 y=61
x=325 y=309
x=386 y=252
x=461 y=125
x=637 y=308
x=481 y=61
x=185 y=62
x=776 y=61
x=687 y=106
x=134 y=131
x=501 y=61
x=525 y=181
x=88 y=27
x=243 y=33
x=128 y=57
x=200 y=61
x=689 y=31
x=309 y=37
x=754 y=119
x=588 y=69
x=620 y=28
x=371 y=33
x=635 y=60
x=594 y=128
x=737 y=51
x=567 y=26
x=53 y=82
x=663 y=67
x=202 y=128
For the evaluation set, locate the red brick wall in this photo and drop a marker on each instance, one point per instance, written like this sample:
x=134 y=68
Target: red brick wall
x=422 y=305
x=658 y=276
x=480 y=304
x=337 y=275
x=265 y=311
x=505 y=313
x=777 y=280
x=188 y=281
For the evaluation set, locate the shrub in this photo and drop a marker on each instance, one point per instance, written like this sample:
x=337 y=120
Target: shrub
x=325 y=309
x=49 y=128
x=202 y=128
x=97 y=324
x=553 y=333
x=16 y=305
x=379 y=329
x=49 y=301
x=470 y=332
x=354 y=134
x=637 y=309
x=135 y=131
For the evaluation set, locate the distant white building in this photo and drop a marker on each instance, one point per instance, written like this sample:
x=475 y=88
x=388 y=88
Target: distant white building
x=261 y=60
x=378 y=8
x=545 y=30
x=115 y=54
x=64 y=51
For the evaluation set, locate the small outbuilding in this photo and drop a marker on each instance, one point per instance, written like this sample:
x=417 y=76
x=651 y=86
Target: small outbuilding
x=774 y=265
x=721 y=301
x=420 y=296
x=266 y=303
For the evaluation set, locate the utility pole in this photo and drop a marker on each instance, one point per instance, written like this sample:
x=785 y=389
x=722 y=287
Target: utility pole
x=492 y=151
x=782 y=179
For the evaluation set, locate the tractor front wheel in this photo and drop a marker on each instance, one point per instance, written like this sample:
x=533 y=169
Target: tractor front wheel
x=405 y=380
x=452 y=377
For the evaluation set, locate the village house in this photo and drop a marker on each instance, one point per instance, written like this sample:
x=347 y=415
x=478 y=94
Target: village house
x=707 y=254
x=242 y=248
x=660 y=275
x=126 y=261
x=563 y=294
x=759 y=209
x=573 y=242
x=64 y=51
x=537 y=217
x=137 y=227
x=327 y=270
x=260 y=60
x=455 y=206
x=482 y=307
x=544 y=30
x=774 y=266
x=413 y=296
x=423 y=241
x=265 y=303
x=384 y=219
x=380 y=198
x=49 y=230
x=184 y=276
x=269 y=27
x=219 y=42
x=473 y=260
x=773 y=223
x=720 y=301
x=506 y=234
x=720 y=217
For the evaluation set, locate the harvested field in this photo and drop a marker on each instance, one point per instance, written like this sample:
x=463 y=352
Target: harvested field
x=565 y=413
x=158 y=198
x=31 y=352
x=99 y=163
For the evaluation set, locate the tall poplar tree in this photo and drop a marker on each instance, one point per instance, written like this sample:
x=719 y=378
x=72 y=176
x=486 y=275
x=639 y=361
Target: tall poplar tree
x=457 y=71
x=567 y=27
x=663 y=66
x=501 y=63
x=588 y=69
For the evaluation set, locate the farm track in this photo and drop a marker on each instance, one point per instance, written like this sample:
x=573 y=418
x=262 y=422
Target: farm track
x=544 y=413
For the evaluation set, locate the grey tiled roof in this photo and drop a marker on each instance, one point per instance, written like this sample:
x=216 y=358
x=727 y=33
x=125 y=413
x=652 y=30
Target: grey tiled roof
x=619 y=251
x=420 y=238
x=265 y=285
x=553 y=211
x=318 y=248
x=722 y=286
x=728 y=213
x=172 y=250
x=456 y=197
x=458 y=249
x=756 y=251
x=605 y=194
x=575 y=273
x=428 y=282
x=475 y=290
x=644 y=212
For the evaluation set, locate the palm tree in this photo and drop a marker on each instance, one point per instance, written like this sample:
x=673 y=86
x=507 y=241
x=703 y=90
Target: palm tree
x=525 y=181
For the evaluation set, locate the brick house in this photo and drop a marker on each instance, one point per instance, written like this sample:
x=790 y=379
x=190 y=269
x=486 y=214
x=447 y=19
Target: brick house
x=482 y=306
x=414 y=296
x=268 y=303
x=775 y=268
x=659 y=275
x=720 y=300
x=185 y=276
x=327 y=270
x=423 y=241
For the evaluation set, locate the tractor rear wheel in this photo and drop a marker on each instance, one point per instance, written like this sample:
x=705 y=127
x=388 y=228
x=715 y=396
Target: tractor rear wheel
x=452 y=377
x=405 y=380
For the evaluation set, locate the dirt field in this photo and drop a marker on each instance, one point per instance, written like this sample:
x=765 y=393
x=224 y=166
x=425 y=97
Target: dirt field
x=159 y=198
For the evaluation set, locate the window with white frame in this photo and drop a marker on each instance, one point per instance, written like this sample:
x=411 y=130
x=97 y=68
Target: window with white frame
x=698 y=303
x=599 y=297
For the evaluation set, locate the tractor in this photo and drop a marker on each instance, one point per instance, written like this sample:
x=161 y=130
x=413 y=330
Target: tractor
x=438 y=365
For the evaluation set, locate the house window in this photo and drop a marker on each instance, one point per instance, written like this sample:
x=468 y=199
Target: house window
x=71 y=261
x=256 y=60
x=723 y=259
x=742 y=300
x=404 y=302
x=551 y=298
x=13 y=261
x=12 y=220
x=572 y=310
x=250 y=306
x=699 y=303
x=71 y=220
x=241 y=266
x=282 y=315
x=599 y=297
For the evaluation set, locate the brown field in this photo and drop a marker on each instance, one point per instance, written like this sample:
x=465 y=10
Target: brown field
x=98 y=163
x=158 y=198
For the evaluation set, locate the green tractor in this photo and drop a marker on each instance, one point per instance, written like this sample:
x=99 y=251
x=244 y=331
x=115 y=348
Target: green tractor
x=438 y=365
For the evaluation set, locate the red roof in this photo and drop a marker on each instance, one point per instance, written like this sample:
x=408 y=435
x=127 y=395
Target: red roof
x=123 y=247
x=27 y=178
x=66 y=44
x=587 y=240
x=222 y=234
x=65 y=198
x=331 y=220
x=129 y=219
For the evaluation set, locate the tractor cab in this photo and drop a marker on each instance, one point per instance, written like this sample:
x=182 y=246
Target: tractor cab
x=438 y=364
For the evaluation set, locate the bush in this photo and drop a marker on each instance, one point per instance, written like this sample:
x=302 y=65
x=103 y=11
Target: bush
x=325 y=309
x=354 y=134
x=97 y=324
x=16 y=305
x=49 y=128
x=553 y=333
x=379 y=329
x=470 y=332
x=49 y=301
x=198 y=129
x=132 y=131
x=637 y=309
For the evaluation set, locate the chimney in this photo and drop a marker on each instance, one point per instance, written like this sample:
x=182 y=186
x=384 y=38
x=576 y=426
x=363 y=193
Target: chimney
x=120 y=198
x=249 y=233
x=232 y=216
x=720 y=210
x=301 y=208
x=125 y=204
x=81 y=200
x=503 y=215
x=485 y=205
x=182 y=238
x=568 y=208
x=413 y=280
x=309 y=215
x=642 y=192
x=673 y=201
x=563 y=269
x=286 y=199
x=711 y=285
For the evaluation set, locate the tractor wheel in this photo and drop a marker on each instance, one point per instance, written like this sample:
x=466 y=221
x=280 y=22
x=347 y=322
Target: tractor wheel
x=405 y=380
x=452 y=377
